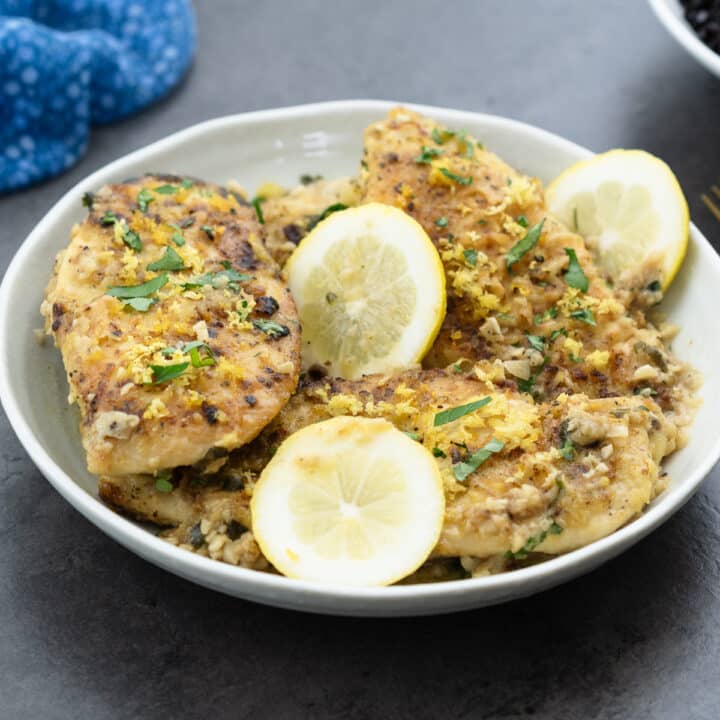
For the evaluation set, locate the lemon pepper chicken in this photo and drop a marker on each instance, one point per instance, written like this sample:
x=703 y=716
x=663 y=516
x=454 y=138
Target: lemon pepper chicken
x=179 y=338
x=522 y=288
x=554 y=466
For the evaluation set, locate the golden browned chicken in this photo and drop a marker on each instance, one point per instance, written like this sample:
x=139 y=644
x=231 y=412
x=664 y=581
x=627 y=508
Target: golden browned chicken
x=522 y=288
x=179 y=338
x=288 y=217
x=558 y=475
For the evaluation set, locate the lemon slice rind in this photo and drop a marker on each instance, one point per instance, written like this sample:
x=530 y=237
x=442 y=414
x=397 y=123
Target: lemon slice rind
x=348 y=501
x=629 y=204
x=369 y=286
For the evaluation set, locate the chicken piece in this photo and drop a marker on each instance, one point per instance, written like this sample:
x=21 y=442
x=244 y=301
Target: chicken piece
x=541 y=492
x=288 y=218
x=553 y=337
x=202 y=358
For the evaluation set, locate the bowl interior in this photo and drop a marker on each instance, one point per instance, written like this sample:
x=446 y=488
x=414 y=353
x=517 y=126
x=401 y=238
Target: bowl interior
x=280 y=146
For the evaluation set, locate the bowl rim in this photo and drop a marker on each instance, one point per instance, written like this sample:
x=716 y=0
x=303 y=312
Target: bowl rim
x=679 y=28
x=266 y=587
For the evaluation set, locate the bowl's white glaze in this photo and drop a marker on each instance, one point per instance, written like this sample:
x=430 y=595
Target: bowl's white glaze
x=280 y=145
x=670 y=14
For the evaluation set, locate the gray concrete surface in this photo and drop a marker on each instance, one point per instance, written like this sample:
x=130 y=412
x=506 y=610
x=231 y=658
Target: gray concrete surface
x=88 y=630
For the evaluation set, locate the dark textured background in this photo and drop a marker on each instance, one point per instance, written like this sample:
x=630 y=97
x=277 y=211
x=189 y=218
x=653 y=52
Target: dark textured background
x=88 y=630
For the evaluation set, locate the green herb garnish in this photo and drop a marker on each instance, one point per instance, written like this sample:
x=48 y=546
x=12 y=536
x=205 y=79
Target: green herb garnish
x=224 y=278
x=567 y=449
x=169 y=261
x=163 y=484
x=441 y=221
x=471 y=256
x=438 y=453
x=451 y=414
x=556 y=333
x=522 y=220
x=441 y=136
x=533 y=542
x=412 y=435
x=144 y=198
x=529 y=384
x=164 y=373
x=256 y=203
x=144 y=290
x=186 y=184
x=132 y=240
x=109 y=218
x=178 y=239
x=540 y=318
x=87 y=200
x=166 y=189
x=525 y=245
x=427 y=154
x=654 y=286
x=574 y=275
x=463 y=469
x=459 y=179
x=585 y=315
x=210 y=232
x=309 y=179
x=140 y=304
x=537 y=342
x=271 y=329
x=193 y=350
x=329 y=210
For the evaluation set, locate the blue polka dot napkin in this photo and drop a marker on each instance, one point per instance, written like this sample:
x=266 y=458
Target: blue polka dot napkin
x=68 y=64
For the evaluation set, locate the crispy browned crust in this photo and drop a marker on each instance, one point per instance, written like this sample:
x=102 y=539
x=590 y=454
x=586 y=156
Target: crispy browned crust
x=129 y=426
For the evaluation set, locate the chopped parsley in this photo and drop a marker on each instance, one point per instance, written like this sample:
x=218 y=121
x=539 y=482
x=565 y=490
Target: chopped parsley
x=309 y=179
x=533 y=541
x=471 y=256
x=441 y=221
x=438 y=453
x=141 y=304
x=441 y=136
x=132 y=240
x=210 y=232
x=412 y=435
x=654 y=286
x=271 y=329
x=193 y=350
x=109 y=218
x=574 y=275
x=256 y=203
x=224 y=278
x=525 y=245
x=537 y=342
x=540 y=318
x=164 y=373
x=178 y=239
x=126 y=292
x=169 y=261
x=463 y=469
x=329 y=210
x=567 y=449
x=144 y=198
x=529 y=384
x=166 y=189
x=186 y=184
x=522 y=220
x=556 y=333
x=585 y=315
x=163 y=484
x=459 y=179
x=427 y=154
x=87 y=200
x=451 y=414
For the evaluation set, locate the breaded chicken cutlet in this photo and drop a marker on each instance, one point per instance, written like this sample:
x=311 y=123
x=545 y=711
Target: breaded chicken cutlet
x=179 y=338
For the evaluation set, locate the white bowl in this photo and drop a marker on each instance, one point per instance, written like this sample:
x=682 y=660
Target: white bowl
x=280 y=145
x=670 y=14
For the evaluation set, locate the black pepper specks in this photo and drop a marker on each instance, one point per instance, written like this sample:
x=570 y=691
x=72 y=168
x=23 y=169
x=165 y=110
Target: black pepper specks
x=293 y=234
x=267 y=305
x=251 y=400
x=210 y=412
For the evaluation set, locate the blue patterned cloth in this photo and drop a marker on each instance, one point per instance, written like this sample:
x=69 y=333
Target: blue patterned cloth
x=68 y=64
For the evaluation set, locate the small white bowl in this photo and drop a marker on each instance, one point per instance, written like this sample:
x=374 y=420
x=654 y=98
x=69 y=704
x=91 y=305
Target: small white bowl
x=280 y=145
x=670 y=14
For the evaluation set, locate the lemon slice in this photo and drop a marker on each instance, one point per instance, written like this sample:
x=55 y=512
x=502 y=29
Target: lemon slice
x=348 y=501
x=369 y=287
x=630 y=207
